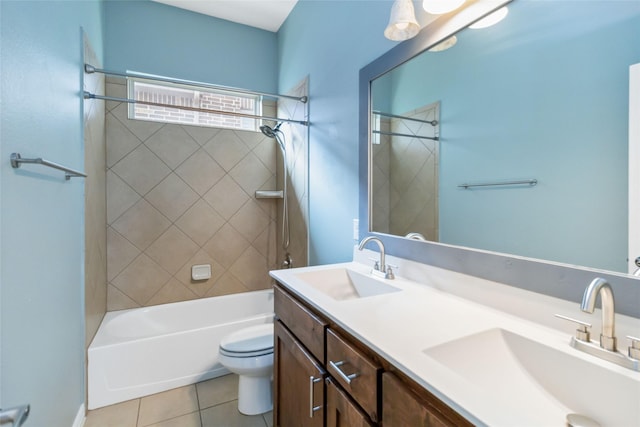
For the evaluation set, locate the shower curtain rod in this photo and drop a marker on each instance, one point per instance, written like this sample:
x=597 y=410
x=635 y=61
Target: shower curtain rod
x=395 y=116
x=91 y=69
x=408 y=135
x=89 y=95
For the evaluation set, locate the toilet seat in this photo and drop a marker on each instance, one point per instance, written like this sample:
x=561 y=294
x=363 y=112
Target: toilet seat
x=253 y=341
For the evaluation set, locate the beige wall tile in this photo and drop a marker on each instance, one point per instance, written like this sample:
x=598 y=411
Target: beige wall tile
x=120 y=253
x=227 y=149
x=225 y=285
x=120 y=197
x=201 y=134
x=117 y=300
x=266 y=242
x=141 y=170
x=252 y=270
x=200 y=171
x=142 y=224
x=182 y=220
x=120 y=140
x=172 y=197
x=200 y=222
x=117 y=90
x=141 y=279
x=173 y=291
x=250 y=220
x=172 y=144
x=226 y=197
x=265 y=150
x=226 y=246
x=172 y=250
x=250 y=174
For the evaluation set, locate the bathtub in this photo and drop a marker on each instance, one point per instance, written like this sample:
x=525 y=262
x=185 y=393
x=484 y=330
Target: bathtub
x=147 y=350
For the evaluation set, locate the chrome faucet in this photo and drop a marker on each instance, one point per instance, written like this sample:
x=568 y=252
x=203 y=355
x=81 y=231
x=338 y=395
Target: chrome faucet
x=606 y=348
x=602 y=287
x=380 y=266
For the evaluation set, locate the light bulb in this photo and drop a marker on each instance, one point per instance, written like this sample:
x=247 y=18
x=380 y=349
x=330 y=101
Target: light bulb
x=438 y=7
x=491 y=19
x=402 y=25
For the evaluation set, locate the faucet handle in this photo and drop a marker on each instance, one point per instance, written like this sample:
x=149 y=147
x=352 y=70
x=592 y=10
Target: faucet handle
x=634 y=348
x=389 y=272
x=376 y=264
x=582 y=333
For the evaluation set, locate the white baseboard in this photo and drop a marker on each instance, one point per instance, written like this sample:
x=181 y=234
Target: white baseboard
x=80 y=418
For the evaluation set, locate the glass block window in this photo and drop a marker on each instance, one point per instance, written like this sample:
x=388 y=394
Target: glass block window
x=192 y=97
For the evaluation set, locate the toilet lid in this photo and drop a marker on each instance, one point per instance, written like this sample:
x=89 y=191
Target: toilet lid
x=249 y=340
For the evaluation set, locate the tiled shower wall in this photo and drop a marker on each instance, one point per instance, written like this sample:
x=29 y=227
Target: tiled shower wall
x=178 y=196
x=405 y=176
x=95 y=268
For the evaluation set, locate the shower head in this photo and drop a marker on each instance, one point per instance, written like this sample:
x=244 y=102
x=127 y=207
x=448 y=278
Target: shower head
x=269 y=131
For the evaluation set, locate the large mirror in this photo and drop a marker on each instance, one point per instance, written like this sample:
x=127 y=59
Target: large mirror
x=514 y=139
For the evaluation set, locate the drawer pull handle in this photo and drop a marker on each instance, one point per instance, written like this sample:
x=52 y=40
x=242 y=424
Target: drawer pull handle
x=345 y=377
x=312 y=409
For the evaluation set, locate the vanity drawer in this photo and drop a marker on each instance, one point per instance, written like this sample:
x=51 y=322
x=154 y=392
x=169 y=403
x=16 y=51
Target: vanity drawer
x=355 y=372
x=305 y=325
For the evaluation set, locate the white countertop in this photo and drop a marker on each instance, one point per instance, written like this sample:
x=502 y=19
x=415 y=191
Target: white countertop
x=437 y=306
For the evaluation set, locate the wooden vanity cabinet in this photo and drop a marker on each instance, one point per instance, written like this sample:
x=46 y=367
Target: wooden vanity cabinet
x=298 y=367
x=403 y=406
x=298 y=383
x=341 y=410
x=325 y=377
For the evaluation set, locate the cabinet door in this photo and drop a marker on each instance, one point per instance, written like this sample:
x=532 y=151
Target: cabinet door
x=303 y=324
x=341 y=410
x=298 y=383
x=403 y=408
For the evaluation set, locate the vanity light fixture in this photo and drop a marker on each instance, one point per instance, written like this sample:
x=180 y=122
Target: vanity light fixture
x=491 y=19
x=438 y=7
x=402 y=23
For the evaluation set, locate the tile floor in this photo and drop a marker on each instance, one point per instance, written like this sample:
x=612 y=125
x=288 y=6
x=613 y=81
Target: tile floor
x=212 y=403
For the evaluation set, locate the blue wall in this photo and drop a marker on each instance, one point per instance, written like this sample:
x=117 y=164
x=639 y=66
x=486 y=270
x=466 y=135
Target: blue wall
x=42 y=279
x=514 y=106
x=330 y=41
x=154 y=38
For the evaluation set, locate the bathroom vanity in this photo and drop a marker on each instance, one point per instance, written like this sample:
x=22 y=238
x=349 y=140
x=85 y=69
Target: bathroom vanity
x=324 y=375
x=435 y=348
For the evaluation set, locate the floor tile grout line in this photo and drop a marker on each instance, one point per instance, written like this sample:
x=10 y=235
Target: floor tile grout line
x=138 y=414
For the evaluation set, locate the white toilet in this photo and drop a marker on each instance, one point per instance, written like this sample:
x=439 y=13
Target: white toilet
x=249 y=353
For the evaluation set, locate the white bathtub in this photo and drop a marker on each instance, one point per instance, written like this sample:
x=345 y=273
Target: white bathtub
x=143 y=351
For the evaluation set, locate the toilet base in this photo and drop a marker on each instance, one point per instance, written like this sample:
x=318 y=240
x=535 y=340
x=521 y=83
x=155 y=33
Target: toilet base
x=255 y=395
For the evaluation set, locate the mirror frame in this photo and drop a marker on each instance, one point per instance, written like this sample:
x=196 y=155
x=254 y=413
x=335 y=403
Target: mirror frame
x=541 y=276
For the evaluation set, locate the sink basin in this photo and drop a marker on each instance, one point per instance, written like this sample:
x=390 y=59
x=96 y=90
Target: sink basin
x=539 y=382
x=344 y=284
